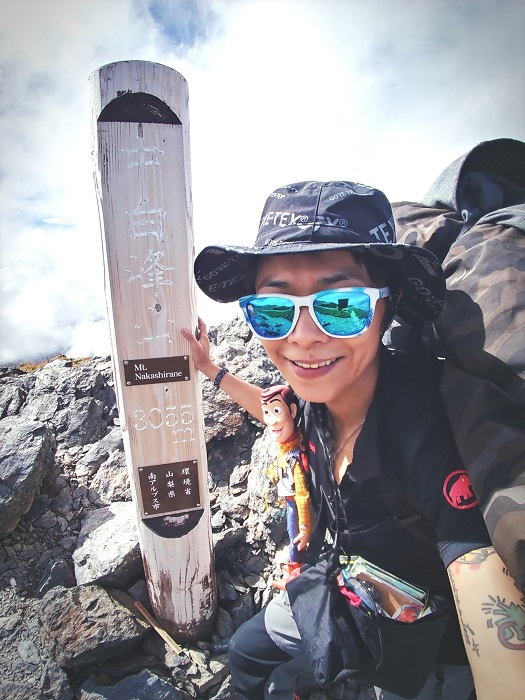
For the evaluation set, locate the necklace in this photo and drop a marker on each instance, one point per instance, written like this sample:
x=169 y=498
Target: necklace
x=347 y=438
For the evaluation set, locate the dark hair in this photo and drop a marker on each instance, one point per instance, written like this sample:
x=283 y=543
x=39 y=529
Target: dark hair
x=380 y=278
x=252 y=266
x=286 y=393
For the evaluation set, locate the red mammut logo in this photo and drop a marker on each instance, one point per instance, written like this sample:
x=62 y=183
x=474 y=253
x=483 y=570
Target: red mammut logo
x=458 y=490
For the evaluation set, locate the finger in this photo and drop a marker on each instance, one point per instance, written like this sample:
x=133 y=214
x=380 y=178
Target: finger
x=190 y=337
x=200 y=329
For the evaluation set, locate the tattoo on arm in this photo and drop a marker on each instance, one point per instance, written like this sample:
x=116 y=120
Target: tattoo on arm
x=506 y=618
x=468 y=632
x=509 y=621
x=474 y=558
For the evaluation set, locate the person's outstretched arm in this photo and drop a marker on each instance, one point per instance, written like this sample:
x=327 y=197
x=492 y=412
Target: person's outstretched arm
x=247 y=395
x=491 y=613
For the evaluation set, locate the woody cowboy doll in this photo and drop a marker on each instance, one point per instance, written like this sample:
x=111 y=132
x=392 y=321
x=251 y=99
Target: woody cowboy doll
x=288 y=473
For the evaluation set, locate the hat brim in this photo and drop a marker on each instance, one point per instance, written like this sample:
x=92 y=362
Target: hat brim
x=225 y=273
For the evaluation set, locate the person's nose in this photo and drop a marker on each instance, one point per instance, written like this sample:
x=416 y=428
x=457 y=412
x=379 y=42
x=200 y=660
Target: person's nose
x=306 y=331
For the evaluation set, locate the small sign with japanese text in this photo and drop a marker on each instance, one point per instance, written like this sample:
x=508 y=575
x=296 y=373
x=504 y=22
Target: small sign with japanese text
x=169 y=488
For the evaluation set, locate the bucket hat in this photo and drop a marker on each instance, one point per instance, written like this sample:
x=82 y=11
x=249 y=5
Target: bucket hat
x=306 y=217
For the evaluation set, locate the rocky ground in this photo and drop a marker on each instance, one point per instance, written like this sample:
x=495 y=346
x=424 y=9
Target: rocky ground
x=68 y=624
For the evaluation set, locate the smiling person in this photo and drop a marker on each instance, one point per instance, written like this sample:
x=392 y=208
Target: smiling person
x=319 y=287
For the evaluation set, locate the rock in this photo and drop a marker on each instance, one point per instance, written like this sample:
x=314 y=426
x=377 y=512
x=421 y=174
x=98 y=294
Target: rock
x=227 y=538
x=9 y=623
x=54 y=683
x=254 y=565
x=218 y=520
x=233 y=346
x=12 y=399
x=81 y=422
x=203 y=679
x=111 y=482
x=28 y=652
x=63 y=501
x=144 y=686
x=68 y=543
x=238 y=477
x=242 y=610
x=99 y=452
x=139 y=591
x=76 y=512
x=108 y=550
x=235 y=506
x=69 y=381
x=224 y=623
x=84 y=625
x=42 y=407
x=128 y=664
x=58 y=572
x=224 y=692
x=38 y=508
x=11 y=690
x=46 y=521
x=226 y=588
x=26 y=449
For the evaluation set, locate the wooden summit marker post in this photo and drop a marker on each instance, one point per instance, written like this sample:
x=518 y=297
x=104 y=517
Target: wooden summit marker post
x=142 y=174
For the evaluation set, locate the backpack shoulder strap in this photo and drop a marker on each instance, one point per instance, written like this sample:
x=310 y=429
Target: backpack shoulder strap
x=402 y=510
x=397 y=504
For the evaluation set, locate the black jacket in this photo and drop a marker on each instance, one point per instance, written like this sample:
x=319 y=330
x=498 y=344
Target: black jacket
x=405 y=448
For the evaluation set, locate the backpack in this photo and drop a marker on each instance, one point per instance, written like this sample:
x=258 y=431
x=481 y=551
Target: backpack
x=473 y=220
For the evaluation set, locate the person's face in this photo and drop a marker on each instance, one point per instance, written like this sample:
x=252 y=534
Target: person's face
x=318 y=367
x=279 y=418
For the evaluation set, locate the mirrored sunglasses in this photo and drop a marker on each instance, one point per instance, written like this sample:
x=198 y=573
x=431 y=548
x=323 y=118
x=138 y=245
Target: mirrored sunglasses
x=340 y=313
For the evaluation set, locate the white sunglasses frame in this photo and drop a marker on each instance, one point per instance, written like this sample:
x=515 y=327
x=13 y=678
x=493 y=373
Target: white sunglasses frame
x=373 y=293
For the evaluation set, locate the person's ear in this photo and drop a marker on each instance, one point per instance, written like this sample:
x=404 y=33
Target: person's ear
x=293 y=410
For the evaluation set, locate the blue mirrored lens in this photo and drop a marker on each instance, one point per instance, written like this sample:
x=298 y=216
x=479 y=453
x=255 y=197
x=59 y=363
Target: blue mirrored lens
x=270 y=317
x=343 y=313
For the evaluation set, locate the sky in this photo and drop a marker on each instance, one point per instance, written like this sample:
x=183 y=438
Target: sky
x=383 y=92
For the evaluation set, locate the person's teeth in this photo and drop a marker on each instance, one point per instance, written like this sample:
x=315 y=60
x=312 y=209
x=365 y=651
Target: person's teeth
x=315 y=365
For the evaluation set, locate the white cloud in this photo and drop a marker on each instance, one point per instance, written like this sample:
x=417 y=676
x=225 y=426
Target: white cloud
x=383 y=92
x=89 y=339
